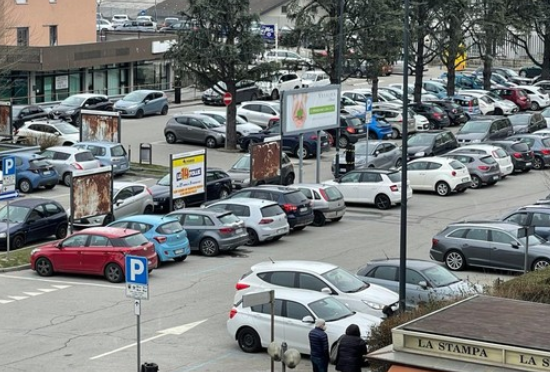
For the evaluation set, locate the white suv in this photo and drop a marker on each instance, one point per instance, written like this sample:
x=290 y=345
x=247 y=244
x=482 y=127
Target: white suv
x=259 y=112
x=119 y=19
x=272 y=86
x=538 y=96
x=442 y=175
x=315 y=79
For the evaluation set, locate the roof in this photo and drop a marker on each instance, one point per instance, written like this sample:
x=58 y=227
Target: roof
x=202 y=211
x=67 y=149
x=110 y=232
x=309 y=266
x=493 y=224
x=25 y=155
x=481 y=146
x=147 y=218
x=119 y=184
x=440 y=159
x=375 y=170
x=174 y=7
x=88 y=95
x=30 y=202
x=285 y=189
x=245 y=201
x=411 y=263
x=101 y=143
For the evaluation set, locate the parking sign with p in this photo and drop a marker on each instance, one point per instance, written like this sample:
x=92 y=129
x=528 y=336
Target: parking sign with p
x=137 y=278
x=8 y=175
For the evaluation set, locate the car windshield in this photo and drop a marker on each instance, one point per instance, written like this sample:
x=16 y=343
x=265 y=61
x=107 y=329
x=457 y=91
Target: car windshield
x=344 y=281
x=533 y=239
x=164 y=181
x=309 y=76
x=135 y=240
x=519 y=119
x=330 y=309
x=210 y=122
x=439 y=276
x=395 y=177
x=420 y=139
x=475 y=127
x=118 y=151
x=136 y=96
x=17 y=214
x=172 y=227
x=242 y=163
x=66 y=128
x=387 y=96
x=73 y=101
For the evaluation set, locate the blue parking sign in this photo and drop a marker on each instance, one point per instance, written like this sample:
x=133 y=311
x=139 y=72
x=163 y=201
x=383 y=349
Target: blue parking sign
x=368 y=109
x=137 y=277
x=267 y=32
x=7 y=190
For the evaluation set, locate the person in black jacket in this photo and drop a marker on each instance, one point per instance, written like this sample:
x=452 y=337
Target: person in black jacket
x=351 y=350
x=318 y=344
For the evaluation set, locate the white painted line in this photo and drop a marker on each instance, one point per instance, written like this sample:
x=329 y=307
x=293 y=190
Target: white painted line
x=5 y=301
x=18 y=298
x=47 y=290
x=61 y=286
x=179 y=330
x=117 y=287
x=33 y=293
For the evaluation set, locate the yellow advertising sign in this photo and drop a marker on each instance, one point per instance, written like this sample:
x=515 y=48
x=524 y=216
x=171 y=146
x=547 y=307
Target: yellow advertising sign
x=188 y=174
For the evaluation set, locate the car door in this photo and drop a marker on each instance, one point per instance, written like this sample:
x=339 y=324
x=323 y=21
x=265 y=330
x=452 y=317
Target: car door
x=369 y=187
x=183 y=130
x=433 y=175
x=123 y=202
x=94 y=254
x=506 y=251
x=382 y=159
x=296 y=330
x=261 y=320
x=541 y=222
x=68 y=259
x=197 y=130
x=416 y=173
x=476 y=246
x=349 y=186
x=267 y=113
x=55 y=216
x=385 y=276
x=253 y=114
x=195 y=225
x=149 y=104
x=36 y=224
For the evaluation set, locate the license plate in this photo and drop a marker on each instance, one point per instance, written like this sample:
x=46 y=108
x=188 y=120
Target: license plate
x=178 y=251
x=303 y=210
x=46 y=173
x=496 y=177
x=465 y=180
x=239 y=230
x=528 y=164
x=281 y=230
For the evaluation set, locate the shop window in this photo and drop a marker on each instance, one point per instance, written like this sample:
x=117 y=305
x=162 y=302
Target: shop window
x=22 y=36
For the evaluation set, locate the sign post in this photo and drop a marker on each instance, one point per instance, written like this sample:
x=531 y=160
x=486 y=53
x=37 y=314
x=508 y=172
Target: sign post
x=368 y=120
x=227 y=98
x=8 y=192
x=137 y=287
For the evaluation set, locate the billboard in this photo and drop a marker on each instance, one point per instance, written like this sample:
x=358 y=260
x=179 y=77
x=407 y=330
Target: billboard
x=310 y=109
x=265 y=161
x=5 y=119
x=187 y=174
x=91 y=193
x=100 y=126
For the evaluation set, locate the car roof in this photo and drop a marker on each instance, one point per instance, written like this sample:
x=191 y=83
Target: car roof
x=464 y=153
x=492 y=224
x=440 y=159
x=146 y=91
x=311 y=185
x=100 y=143
x=88 y=95
x=410 y=263
x=67 y=149
x=483 y=147
x=246 y=201
x=260 y=103
x=535 y=207
x=25 y=155
x=120 y=184
x=110 y=232
x=317 y=267
x=148 y=218
x=30 y=202
x=191 y=115
x=299 y=295
x=284 y=189
x=375 y=170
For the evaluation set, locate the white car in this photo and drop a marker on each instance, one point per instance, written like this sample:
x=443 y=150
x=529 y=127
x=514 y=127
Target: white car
x=422 y=123
x=295 y=315
x=546 y=114
x=264 y=220
x=286 y=58
x=503 y=159
x=259 y=112
x=543 y=132
x=371 y=186
x=538 y=96
x=502 y=106
x=273 y=85
x=361 y=95
x=243 y=128
x=442 y=175
x=316 y=276
x=66 y=159
x=147 y=19
x=486 y=105
x=51 y=132
x=104 y=25
x=312 y=79
x=119 y=19
x=348 y=103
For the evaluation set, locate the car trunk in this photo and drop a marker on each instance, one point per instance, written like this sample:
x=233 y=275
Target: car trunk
x=41 y=167
x=297 y=203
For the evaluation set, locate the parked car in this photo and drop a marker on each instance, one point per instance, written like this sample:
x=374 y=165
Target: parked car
x=426 y=281
x=539 y=97
x=469 y=104
x=512 y=75
x=119 y=19
x=129 y=199
x=351 y=130
x=69 y=109
x=244 y=128
x=435 y=115
x=22 y=114
x=47 y=131
x=540 y=147
x=218 y=186
x=439 y=174
x=296 y=206
x=313 y=78
x=240 y=173
x=264 y=220
x=485 y=103
x=537 y=216
x=483 y=169
x=108 y=245
x=328 y=202
x=530 y=71
x=546 y=114
x=109 y=154
x=544 y=84
x=527 y=122
x=522 y=156
x=517 y=95
x=33 y=171
x=68 y=159
x=286 y=58
x=146 y=18
x=297 y=312
x=453 y=110
x=142 y=102
x=272 y=85
x=485 y=128
x=102 y=25
x=136 y=25
x=371 y=186
x=372 y=154
x=247 y=90
x=169 y=21
x=210 y=231
x=31 y=219
x=431 y=143
x=395 y=118
x=194 y=128
x=502 y=158
x=495 y=245
x=259 y=112
x=379 y=128
x=502 y=106
x=362 y=95
x=166 y=234
x=437 y=88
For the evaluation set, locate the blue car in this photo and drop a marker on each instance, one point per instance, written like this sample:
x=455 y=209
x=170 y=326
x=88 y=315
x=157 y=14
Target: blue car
x=33 y=171
x=109 y=154
x=142 y=102
x=435 y=87
x=166 y=233
x=378 y=128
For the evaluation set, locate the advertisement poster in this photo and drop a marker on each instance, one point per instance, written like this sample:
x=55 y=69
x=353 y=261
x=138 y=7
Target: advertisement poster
x=188 y=173
x=100 y=126
x=311 y=109
x=266 y=161
x=91 y=193
x=5 y=119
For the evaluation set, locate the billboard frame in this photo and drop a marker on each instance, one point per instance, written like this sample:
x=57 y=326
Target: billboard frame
x=288 y=98
x=184 y=155
x=6 y=105
x=113 y=115
x=253 y=146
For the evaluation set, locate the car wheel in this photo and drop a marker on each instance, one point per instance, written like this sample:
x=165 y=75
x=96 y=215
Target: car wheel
x=148 y=209
x=178 y=204
x=343 y=142
x=180 y=258
x=535 y=106
x=538 y=163
x=113 y=273
x=336 y=219
x=170 y=137
x=289 y=179
x=164 y=110
x=211 y=142
x=139 y=114
x=523 y=73
x=298 y=228
x=398 y=163
x=275 y=95
x=25 y=186
x=252 y=237
x=455 y=261
x=224 y=193
x=67 y=179
x=17 y=242
x=382 y=201
x=319 y=219
x=442 y=188
x=395 y=134
x=476 y=182
x=61 y=231
x=372 y=136
x=209 y=247
x=249 y=341
x=44 y=267
x=305 y=152
x=541 y=264
x=498 y=111
x=108 y=219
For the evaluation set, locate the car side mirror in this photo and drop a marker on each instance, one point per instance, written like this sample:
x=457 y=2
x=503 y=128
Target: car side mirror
x=423 y=284
x=119 y=202
x=376 y=153
x=308 y=319
x=514 y=245
x=145 y=101
x=326 y=290
x=57 y=133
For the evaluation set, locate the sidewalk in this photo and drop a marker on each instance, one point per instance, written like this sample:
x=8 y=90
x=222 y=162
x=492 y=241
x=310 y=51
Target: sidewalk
x=189 y=96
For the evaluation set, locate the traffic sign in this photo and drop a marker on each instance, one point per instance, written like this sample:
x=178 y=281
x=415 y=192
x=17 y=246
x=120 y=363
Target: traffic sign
x=227 y=98
x=137 y=278
x=8 y=175
x=368 y=116
x=267 y=32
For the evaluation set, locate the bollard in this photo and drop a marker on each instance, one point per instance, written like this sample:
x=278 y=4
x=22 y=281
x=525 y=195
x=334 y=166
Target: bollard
x=145 y=153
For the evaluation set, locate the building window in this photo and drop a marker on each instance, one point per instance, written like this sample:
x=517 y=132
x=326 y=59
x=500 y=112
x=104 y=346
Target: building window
x=284 y=9
x=53 y=35
x=19 y=2
x=22 y=36
x=53 y=1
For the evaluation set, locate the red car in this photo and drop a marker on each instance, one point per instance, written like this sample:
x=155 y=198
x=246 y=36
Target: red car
x=516 y=95
x=94 y=251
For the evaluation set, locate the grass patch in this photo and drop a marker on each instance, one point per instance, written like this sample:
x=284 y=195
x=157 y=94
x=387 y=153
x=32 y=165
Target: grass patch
x=16 y=258
x=151 y=168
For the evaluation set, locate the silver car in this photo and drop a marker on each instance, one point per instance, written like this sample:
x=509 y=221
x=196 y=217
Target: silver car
x=195 y=128
x=372 y=154
x=327 y=202
x=243 y=128
x=67 y=159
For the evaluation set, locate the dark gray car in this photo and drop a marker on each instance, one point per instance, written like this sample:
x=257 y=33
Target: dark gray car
x=372 y=154
x=483 y=168
x=484 y=128
x=240 y=173
x=537 y=216
x=490 y=244
x=195 y=128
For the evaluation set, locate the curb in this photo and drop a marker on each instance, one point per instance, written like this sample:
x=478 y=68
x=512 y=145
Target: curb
x=15 y=268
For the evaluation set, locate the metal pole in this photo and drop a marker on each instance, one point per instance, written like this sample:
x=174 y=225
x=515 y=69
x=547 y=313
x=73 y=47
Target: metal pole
x=404 y=156
x=276 y=36
x=340 y=57
x=272 y=302
x=301 y=159
x=8 y=230
x=283 y=349
x=526 y=263
x=156 y=20
x=137 y=305
x=318 y=159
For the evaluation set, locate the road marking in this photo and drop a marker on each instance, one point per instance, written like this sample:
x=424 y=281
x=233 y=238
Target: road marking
x=18 y=298
x=32 y=294
x=5 y=301
x=118 y=287
x=179 y=330
x=61 y=286
x=47 y=290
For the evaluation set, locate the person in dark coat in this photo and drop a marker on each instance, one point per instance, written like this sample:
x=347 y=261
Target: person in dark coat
x=351 y=350
x=318 y=344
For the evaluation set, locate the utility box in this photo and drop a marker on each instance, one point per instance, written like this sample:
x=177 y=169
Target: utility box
x=145 y=153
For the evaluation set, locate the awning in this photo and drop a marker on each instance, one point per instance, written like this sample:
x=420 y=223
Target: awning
x=408 y=369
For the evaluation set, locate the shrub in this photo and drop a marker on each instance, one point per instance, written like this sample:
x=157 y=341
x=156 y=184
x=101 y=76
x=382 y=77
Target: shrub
x=533 y=287
x=44 y=141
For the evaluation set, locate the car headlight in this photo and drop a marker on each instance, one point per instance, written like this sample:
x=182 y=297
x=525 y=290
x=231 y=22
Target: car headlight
x=421 y=153
x=70 y=112
x=246 y=181
x=373 y=305
x=3 y=235
x=476 y=140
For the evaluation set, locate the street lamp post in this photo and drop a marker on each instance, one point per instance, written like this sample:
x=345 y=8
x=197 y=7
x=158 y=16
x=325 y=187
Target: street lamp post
x=98 y=2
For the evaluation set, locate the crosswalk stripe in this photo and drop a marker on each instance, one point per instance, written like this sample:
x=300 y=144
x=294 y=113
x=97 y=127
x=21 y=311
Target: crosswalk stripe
x=47 y=289
x=18 y=298
x=33 y=293
x=61 y=286
x=5 y=301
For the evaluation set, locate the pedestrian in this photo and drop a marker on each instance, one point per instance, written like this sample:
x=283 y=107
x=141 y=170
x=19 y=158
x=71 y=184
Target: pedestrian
x=318 y=344
x=350 y=157
x=351 y=350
